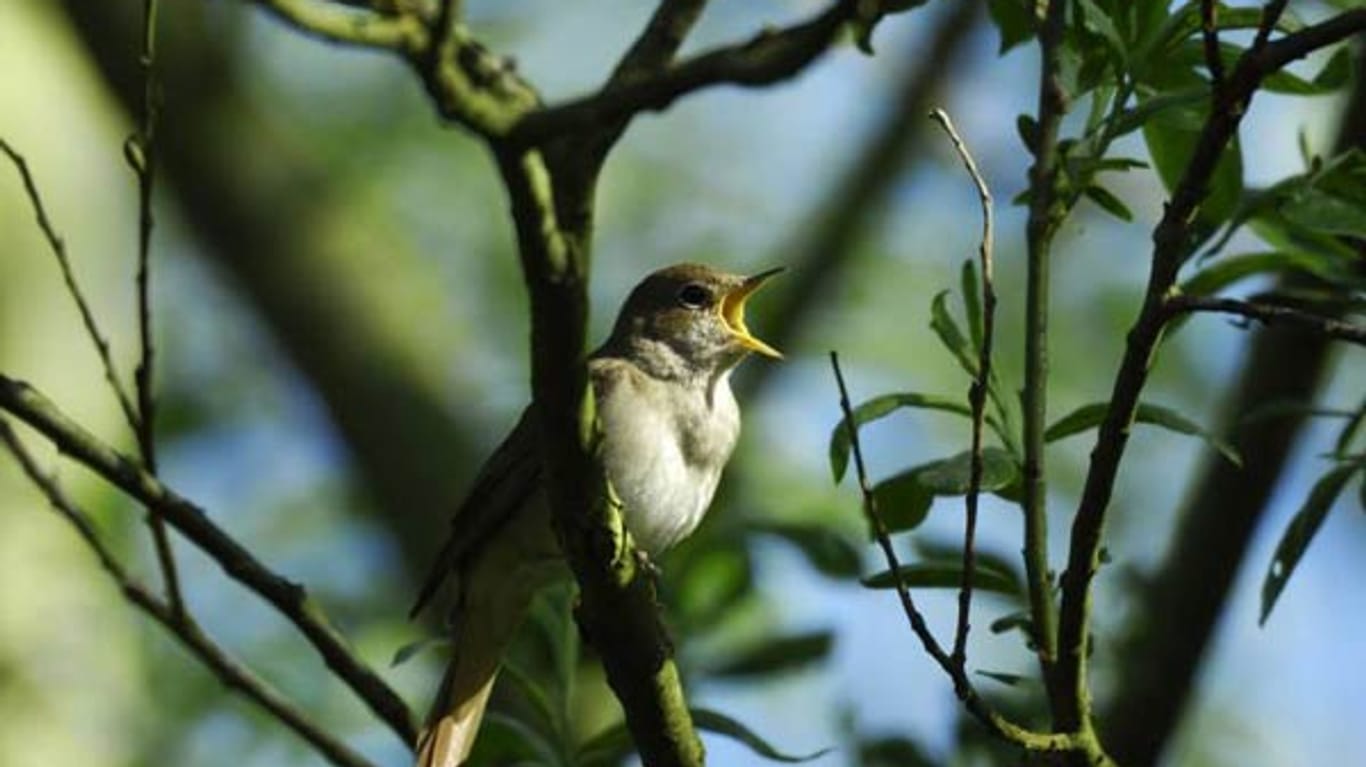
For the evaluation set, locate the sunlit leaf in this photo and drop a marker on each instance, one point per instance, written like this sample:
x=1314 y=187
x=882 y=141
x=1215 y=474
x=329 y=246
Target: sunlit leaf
x=1090 y=416
x=778 y=655
x=1301 y=531
x=879 y=407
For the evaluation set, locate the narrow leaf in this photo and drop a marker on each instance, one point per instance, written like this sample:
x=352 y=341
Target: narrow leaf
x=944 y=576
x=879 y=407
x=972 y=302
x=779 y=655
x=950 y=334
x=1011 y=621
x=1301 y=532
x=1109 y=202
x=1007 y=679
x=408 y=651
x=1090 y=416
x=712 y=721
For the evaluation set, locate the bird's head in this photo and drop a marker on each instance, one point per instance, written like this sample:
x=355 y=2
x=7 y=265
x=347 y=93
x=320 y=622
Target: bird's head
x=697 y=313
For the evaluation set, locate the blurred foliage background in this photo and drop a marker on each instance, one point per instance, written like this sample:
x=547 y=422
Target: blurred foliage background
x=342 y=333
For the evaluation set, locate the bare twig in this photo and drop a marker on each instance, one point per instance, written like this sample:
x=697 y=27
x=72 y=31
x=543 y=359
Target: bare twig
x=58 y=247
x=289 y=598
x=977 y=396
x=657 y=44
x=142 y=151
x=1270 y=313
x=232 y=672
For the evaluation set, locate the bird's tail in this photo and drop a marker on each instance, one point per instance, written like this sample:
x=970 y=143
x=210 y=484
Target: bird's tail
x=482 y=631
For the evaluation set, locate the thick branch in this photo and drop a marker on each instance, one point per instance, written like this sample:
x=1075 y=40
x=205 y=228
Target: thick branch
x=618 y=611
x=767 y=58
x=290 y=598
x=232 y=672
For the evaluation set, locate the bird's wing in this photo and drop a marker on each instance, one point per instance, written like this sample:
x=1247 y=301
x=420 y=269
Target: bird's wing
x=504 y=484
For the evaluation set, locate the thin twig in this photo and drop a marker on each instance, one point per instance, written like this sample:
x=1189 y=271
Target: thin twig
x=977 y=396
x=962 y=685
x=143 y=158
x=288 y=597
x=233 y=673
x=1270 y=313
x=58 y=247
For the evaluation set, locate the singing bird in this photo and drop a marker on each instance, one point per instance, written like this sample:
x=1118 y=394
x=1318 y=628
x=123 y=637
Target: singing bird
x=668 y=421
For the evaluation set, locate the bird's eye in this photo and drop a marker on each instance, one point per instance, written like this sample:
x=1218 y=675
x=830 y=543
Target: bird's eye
x=694 y=296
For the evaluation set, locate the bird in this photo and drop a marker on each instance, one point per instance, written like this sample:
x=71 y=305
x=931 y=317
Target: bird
x=668 y=424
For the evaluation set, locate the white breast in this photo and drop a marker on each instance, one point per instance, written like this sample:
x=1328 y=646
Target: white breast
x=664 y=456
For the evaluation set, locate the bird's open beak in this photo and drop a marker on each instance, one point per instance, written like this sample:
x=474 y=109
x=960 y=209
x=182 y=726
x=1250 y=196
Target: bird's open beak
x=733 y=312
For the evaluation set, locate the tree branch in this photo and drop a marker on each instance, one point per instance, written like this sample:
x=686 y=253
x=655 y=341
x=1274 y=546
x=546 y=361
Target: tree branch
x=977 y=395
x=1171 y=246
x=232 y=672
x=1046 y=211
x=404 y=33
x=657 y=44
x=618 y=611
x=289 y=598
x=1270 y=313
x=767 y=58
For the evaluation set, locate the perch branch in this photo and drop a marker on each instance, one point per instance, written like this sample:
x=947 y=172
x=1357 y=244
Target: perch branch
x=1270 y=313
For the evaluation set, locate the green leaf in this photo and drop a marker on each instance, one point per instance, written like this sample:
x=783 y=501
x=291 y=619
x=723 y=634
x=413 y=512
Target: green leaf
x=1301 y=532
x=1232 y=269
x=944 y=575
x=879 y=407
x=1109 y=202
x=505 y=740
x=1007 y=679
x=1018 y=620
x=1349 y=429
x=1180 y=101
x=712 y=581
x=903 y=501
x=829 y=552
x=535 y=696
x=950 y=334
x=950 y=476
x=408 y=651
x=712 y=721
x=1014 y=19
x=972 y=301
x=893 y=751
x=779 y=655
x=1090 y=416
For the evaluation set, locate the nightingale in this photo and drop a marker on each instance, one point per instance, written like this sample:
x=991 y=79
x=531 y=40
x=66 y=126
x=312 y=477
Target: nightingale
x=668 y=422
